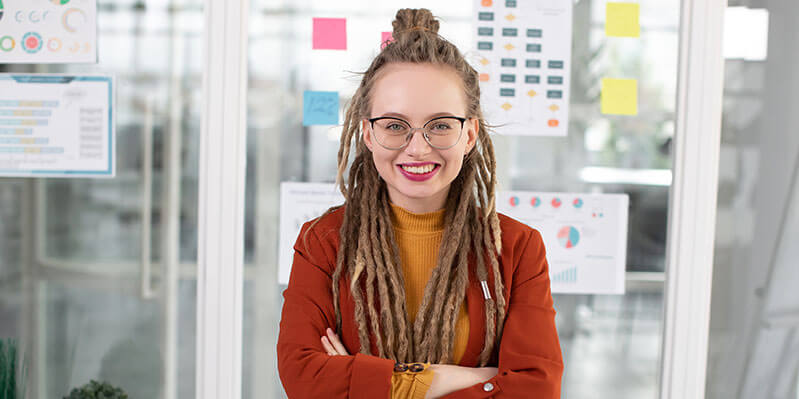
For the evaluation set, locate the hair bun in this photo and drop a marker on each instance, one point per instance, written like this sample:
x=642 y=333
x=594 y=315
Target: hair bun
x=414 y=18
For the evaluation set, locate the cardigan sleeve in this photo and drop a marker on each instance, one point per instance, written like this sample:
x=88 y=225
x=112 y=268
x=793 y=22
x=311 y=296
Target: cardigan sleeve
x=530 y=363
x=306 y=370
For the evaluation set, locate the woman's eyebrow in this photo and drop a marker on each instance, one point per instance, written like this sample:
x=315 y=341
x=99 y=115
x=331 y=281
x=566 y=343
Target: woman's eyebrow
x=403 y=116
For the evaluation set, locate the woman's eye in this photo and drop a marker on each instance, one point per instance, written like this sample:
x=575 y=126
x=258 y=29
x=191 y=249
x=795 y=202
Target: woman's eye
x=395 y=126
x=441 y=126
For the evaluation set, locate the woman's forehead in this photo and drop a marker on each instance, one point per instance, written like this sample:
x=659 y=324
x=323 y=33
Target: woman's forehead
x=417 y=91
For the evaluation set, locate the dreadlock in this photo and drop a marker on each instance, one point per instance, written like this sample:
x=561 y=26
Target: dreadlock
x=368 y=256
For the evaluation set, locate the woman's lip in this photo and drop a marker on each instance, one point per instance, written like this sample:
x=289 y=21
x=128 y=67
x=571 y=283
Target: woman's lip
x=418 y=164
x=418 y=177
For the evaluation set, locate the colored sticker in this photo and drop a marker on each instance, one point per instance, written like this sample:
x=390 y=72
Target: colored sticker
x=533 y=48
x=555 y=80
x=507 y=92
x=508 y=78
x=485 y=31
x=385 y=39
x=329 y=33
x=555 y=64
x=534 y=32
x=619 y=96
x=622 y=20
x=485 y=45
x=485 y=16
x=7 y=43
x=31 y=42
x=554 y=94
x=532 y=79
x=508 y=62
x=533 y=63
x=320 y=108
x=512 y=32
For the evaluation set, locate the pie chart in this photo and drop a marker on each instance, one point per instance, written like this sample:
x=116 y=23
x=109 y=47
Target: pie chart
x=514 y=201
x=578 y=203
x=556 y=202
x=535 y=202
x=568 y=236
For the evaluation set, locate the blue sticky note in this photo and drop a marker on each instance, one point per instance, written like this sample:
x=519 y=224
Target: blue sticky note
x=320 y=108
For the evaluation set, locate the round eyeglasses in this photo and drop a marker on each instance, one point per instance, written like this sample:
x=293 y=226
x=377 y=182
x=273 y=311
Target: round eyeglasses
x=441 y=133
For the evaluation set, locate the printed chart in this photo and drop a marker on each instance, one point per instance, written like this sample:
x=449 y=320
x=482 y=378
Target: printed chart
x=585 y=237
x=524 y=62
x=299 y=203
x=61 y=31
x=56 y=125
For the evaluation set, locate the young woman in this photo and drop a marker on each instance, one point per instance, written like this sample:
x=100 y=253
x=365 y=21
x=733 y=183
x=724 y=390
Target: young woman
x=416 y=287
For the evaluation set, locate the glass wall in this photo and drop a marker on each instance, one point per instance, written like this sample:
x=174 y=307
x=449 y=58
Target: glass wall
x=611 y=343
x=754 y=325
x=75 y=254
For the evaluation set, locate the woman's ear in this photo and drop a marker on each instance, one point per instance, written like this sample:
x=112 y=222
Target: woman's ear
x=471 y=138
x=367 y=133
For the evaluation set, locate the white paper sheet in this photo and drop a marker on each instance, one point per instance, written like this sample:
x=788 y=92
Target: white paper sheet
x=299 y=203
x=56 y=126
x=585 y=236
x=524 y=59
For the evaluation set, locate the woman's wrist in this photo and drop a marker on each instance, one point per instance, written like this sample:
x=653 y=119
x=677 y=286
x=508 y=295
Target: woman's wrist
x=450 y=378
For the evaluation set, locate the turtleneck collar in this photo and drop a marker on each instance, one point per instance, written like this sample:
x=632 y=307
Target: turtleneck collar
x=430 y=222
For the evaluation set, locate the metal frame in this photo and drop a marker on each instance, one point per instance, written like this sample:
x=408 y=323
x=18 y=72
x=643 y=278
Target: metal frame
x=221 y=201
x=692 y=211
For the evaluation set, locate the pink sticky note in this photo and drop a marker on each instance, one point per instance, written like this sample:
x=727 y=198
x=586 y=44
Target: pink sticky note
x=330 y=33
x=385 y=37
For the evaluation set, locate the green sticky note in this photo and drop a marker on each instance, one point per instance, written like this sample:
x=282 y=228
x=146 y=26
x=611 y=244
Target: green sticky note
x=619 y=96
x=621 y=20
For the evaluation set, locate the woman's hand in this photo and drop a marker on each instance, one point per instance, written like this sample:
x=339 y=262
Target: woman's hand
x=450 y=378
x=333 y=345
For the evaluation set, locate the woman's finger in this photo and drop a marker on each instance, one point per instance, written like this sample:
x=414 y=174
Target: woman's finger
x=337 y=345
x=328 y=347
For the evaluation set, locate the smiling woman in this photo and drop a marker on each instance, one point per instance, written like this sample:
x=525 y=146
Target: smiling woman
x=416 y=287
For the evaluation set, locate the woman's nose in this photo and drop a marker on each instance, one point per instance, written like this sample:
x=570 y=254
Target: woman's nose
x=418 y=145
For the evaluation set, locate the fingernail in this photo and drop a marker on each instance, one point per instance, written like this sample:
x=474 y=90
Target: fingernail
x=329 y=331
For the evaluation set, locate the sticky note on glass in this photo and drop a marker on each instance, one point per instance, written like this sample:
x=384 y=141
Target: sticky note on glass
x=385 y=38
x=319 y=108
x=329 y=33
x=621 y=20
x=619 y=96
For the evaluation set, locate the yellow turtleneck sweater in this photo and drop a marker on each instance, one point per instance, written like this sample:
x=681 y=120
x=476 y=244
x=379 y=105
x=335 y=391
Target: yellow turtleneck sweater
x=418 y=237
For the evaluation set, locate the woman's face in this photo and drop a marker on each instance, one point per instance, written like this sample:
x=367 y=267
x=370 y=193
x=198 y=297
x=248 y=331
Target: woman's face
x=418 y=93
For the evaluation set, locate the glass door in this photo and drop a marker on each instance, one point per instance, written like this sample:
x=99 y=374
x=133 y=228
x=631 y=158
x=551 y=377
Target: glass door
x=611 y=343
x=98 y=276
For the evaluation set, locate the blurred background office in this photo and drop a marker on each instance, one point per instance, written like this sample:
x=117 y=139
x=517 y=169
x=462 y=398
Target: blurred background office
x=84 y=262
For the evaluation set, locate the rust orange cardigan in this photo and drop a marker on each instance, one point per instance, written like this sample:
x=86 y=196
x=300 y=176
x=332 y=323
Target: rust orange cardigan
x=528 y=357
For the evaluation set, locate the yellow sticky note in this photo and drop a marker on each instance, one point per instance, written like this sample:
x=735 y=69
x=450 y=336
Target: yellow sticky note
x=621 y=20
x=619 y=96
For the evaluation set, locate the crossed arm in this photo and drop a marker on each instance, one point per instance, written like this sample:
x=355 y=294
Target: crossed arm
x=447 y=379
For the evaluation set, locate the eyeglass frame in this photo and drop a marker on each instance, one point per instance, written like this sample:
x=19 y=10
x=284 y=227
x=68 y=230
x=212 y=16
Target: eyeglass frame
x=413 y=130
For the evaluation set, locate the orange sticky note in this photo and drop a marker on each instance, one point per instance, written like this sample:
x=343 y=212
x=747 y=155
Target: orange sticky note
x=619 y=96
x=329 y=33
x=622 y=20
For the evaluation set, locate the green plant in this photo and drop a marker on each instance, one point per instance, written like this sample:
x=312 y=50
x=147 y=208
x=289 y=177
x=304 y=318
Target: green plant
x=97 y=390
x=10 y=386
